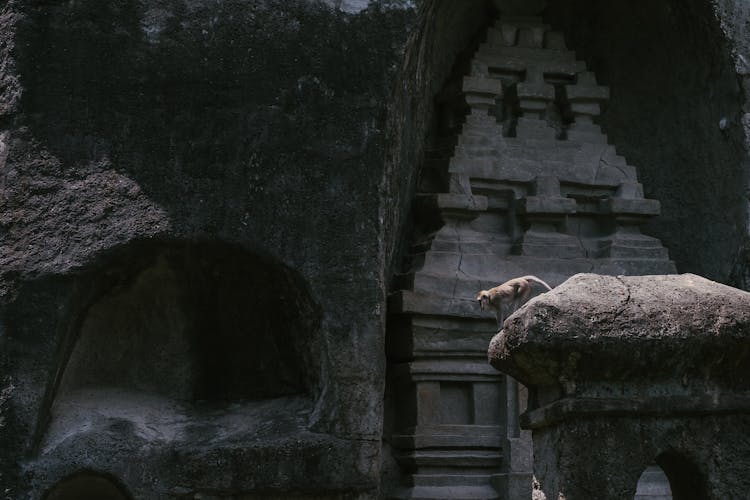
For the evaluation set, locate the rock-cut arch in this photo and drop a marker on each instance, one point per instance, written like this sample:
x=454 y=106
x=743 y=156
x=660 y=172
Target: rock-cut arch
x=87 y=486
x=175 y=334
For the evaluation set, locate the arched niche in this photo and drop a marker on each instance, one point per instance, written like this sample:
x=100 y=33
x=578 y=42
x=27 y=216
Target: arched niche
x=175 y=333
x=87 y=486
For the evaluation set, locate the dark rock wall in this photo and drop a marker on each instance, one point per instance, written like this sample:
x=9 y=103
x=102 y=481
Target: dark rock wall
x=202 y=106
x=735 y=24
x=253 y=124
x=672 y=78
x=444 y=31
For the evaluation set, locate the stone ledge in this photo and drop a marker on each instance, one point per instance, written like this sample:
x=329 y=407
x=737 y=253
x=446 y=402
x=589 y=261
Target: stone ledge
x=484 y=459
x=449 y=436
x=627 y=206
x=553 y=205
x=468 y=370
x=405 y=301
x=482 y=85
x=595 y=328
x=668 y=406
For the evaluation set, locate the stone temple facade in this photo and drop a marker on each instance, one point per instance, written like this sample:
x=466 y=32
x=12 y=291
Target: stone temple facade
x=240 y=241
x=524 y=182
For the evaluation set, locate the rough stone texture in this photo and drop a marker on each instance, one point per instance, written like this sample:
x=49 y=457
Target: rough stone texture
x=734 y=24
x=205 y=177
x=673 y=71
x=443 y=31
x=520 y=181
x=262 y=125
x=625 y=371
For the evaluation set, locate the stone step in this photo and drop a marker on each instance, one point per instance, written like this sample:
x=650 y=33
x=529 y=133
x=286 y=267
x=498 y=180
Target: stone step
x=439 y=369
x=450 y=479
x=468 y=459
x=632 y=206
x=617 y=250
x=447 y=437
x=526 y=169
x=499 y=55
x=455 y=492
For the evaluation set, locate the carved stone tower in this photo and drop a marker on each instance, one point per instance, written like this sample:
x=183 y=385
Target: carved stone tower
x=522 y=182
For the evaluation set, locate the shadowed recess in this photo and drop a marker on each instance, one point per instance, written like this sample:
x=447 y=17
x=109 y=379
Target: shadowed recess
x=202 y=343
x=199 y=322
x=685 y=479
x=87 y=486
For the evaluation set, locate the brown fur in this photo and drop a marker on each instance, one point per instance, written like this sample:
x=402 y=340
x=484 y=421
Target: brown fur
x=512 y=294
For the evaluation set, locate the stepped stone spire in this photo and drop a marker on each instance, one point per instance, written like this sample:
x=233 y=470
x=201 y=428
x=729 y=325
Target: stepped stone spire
x=524 y=182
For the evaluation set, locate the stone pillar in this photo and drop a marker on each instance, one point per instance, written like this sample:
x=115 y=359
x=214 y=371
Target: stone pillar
x=545 y=211
x=629 y=210
x=585 y=98
x=627 y=371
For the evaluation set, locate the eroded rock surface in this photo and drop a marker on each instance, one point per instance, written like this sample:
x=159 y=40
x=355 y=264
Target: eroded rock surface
x=616 y=327
x=627 y=371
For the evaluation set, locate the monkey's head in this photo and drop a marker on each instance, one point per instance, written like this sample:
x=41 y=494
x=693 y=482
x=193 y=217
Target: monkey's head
x=483 y=298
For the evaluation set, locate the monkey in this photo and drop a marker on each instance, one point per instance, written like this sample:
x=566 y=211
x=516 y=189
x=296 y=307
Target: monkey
x=511 y=295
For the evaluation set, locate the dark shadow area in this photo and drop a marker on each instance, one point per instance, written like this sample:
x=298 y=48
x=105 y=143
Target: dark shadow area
x=671 y=81
x=199 y=322
x=87 y=486
x=685 y=478
x=185 y=342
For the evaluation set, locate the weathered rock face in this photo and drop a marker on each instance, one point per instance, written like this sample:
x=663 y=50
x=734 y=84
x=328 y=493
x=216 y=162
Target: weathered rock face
x=179 y=118
x=670 y=326
x=627 y=371
x=191 y=263
x=687 y=157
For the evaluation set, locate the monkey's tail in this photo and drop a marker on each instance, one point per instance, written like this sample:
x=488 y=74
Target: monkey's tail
x=534 y=278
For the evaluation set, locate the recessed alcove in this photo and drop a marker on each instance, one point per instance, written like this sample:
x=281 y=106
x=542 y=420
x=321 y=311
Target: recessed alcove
x=87 y=486
x=686 y=479
x=188 y=343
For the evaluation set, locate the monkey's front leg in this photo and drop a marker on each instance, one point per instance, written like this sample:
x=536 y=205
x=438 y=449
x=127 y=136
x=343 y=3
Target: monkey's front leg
x=513 y=306
x=500 y=317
